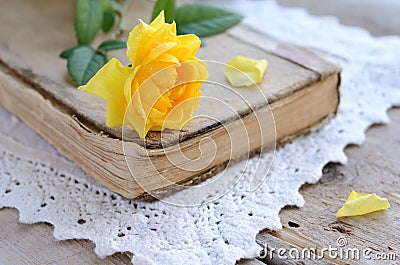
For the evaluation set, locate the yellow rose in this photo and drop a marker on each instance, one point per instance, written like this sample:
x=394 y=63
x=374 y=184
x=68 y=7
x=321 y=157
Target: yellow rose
x=163 y=82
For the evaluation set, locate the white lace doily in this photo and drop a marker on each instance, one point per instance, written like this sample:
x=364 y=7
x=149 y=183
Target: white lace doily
x=43 y=186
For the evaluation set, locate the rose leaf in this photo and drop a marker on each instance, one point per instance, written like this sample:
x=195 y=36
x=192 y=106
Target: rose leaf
x=88 y=20
x=84 y=63
x=110 y=45
x=204 y=20
x=108 y=21
x=169 y=9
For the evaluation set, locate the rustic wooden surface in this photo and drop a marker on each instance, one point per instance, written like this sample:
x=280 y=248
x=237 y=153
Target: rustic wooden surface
x=371 y=167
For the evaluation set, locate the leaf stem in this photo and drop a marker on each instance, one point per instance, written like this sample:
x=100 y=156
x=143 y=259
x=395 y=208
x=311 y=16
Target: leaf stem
x=121 y=14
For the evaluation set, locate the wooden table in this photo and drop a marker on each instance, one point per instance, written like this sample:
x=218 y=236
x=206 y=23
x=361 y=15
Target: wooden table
x=372 y=167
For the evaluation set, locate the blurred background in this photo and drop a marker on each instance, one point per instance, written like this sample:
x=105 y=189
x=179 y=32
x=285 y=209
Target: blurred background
x=379 y=17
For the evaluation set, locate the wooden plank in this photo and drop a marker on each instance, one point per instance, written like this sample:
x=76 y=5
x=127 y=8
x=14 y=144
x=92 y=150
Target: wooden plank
x=271 y=251
x=249 y=262
x=307 y=58
x=35 y=245
x=371 y=168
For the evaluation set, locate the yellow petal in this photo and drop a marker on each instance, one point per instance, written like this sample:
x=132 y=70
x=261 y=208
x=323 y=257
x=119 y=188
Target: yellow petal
x=158 y=21
x=165 y=79
x=143 y=40
x=166 y=33
x=136 y=121
x=176 y=92
x=242 y=71
x=107 y=80
x=158 y=51
x=108 y=83
x=155 y=114
x=151 y=97
x=192 y=71
x=149 y=93
x=174 y=118
x=136 y=103
x=130 y=84
x=187 y=46
x=190 y=42
x=157 y=55
x=137 y=41
x=168 y=58
x=192 y=93
x=115 y=112
x=182 y=112
x=362 y=203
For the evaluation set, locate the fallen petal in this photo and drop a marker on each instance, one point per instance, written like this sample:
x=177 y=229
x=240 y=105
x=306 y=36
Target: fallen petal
x=244 y=72
x=362 y=203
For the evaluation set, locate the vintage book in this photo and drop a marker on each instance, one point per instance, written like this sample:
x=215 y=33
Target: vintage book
x=302 y=89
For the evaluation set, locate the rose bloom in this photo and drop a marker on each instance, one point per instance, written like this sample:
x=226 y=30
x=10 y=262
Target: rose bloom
x=161 y=89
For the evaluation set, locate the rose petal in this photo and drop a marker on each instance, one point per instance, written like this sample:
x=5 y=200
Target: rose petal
x=158 y=51
x=165 y=79
x=147 y=42
x=174 y=118
x=108 y=83
x=192 y=71
x=362 y=203
x=242 y=71
x=158 y=21
x=136 y=41
x=187 y=47
x=136 y=121
x=168 y=58
x=166 y=33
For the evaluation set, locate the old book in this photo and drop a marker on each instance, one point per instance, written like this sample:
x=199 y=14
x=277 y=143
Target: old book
x=302 y=89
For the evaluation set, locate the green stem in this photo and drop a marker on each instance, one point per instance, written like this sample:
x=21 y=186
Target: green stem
x=121 y=14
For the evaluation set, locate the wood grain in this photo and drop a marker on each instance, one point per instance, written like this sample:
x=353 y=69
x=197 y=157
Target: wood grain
x=35 y=245
x=371 y=168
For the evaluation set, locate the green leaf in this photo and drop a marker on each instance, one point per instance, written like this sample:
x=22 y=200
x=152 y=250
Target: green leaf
x=169 y=8
x=112 y=45
x=105 y=5
x=204 y=20
x=84 y=63
x=108 y=21
x=67 y=53
x=88 y=20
